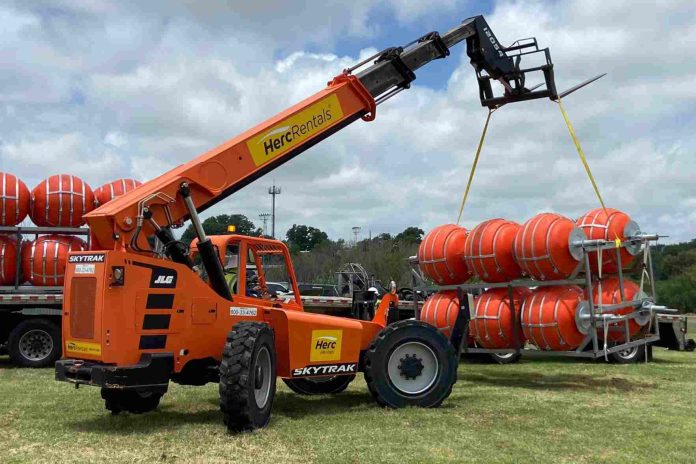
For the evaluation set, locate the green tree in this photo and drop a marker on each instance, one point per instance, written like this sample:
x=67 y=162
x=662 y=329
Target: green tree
x=217 y=225
x=305 y=238
x=410 y=235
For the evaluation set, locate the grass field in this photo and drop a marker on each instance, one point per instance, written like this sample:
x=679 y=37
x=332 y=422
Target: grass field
x=536 y=411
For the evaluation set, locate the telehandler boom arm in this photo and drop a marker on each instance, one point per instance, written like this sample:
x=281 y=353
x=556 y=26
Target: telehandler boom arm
x=156 y=207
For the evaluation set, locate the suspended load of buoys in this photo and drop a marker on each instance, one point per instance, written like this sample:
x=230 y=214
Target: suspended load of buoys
x=8 y=260
x=14 y=200
x=44 y=259
x=488 y=251
x=543 y=247
x=610 y=224
x=551 y=317
x=111 y=190
x=493 y=323
x=441 y=255
x=61 y=201
x=610 y=294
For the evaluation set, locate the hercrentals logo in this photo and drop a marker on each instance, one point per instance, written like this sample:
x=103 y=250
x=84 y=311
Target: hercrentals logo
x=326 y=345
x=295 y=129
x=93 y=349
x=325 y=369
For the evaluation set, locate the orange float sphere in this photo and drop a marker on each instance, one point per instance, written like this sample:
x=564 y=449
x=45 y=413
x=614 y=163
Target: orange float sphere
x=61 y=201
x=8 y=260
x=493 y=323
x=611 y=294
x=548 y=317
x=488 y=251
x=441 y=310
x=441 y=255
x=542 y=247
x=610 y=224
x=111 y=190
x=44 y=259
x=14 y=200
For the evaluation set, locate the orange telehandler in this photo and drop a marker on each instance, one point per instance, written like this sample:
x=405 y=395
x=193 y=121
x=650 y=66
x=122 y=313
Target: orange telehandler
x=144 y=309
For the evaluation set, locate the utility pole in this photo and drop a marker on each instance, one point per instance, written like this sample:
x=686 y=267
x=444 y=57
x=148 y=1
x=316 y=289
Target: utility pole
x=264 y=217
x=273 y=191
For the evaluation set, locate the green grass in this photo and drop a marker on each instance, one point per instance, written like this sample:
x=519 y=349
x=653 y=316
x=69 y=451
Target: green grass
x=536 y=411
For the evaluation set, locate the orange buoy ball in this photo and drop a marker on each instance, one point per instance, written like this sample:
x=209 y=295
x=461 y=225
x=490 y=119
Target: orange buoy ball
x=14 y=200
x=549 y=317
x=493 y=324
x=44 y=259
x=61 y=201
x=610 y=294
x=542 y=247
x=441 y=255
x=610 y=224
x=111 y=190
x=441 y=310
x=8 y=260
x=488 y=251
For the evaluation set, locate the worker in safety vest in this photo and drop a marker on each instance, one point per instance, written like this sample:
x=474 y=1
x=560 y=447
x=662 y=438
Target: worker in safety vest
x=231 y=267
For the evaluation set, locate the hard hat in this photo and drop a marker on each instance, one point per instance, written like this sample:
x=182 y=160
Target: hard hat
x=373 y=289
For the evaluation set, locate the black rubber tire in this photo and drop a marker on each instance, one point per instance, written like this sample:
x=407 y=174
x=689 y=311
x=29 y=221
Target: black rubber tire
x=384 y=344
x=503 y=359
x=319 y=386
x=238 y=376
x=132 y=401
x=636 y=354
x=46 y=328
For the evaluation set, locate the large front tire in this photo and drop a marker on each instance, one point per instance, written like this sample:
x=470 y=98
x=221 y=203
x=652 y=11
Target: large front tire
x=410 y=363
x=320 y=386
x=248 y=376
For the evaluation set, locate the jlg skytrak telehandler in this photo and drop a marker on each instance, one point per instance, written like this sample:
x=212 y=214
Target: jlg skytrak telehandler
x=137 y=315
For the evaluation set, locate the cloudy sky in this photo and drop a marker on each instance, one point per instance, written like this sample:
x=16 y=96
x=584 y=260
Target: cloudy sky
x=106 y=90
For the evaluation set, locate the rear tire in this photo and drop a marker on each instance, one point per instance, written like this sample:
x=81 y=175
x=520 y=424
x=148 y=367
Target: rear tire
x=248 y=376
x=35 y=343
x=632 y=355
x=320 y=386
x=132 y=401
x=410 y=363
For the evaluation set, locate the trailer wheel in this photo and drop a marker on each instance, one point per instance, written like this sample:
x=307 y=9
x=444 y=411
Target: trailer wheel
x=505 y=358
x=248 y=376
x=410 y=363
x=628 y=356
x=132 y=401
x=35 y=343
x=320 y=385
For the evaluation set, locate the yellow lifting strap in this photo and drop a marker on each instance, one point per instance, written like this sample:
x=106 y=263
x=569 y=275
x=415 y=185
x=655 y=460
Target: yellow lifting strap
x=581 y=153
x=473 y=166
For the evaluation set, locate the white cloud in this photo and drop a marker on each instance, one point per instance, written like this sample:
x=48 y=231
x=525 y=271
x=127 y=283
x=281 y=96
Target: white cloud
x=107 y=90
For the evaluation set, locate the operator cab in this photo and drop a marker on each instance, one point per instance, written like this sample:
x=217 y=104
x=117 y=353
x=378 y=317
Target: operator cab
x=249 y=264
